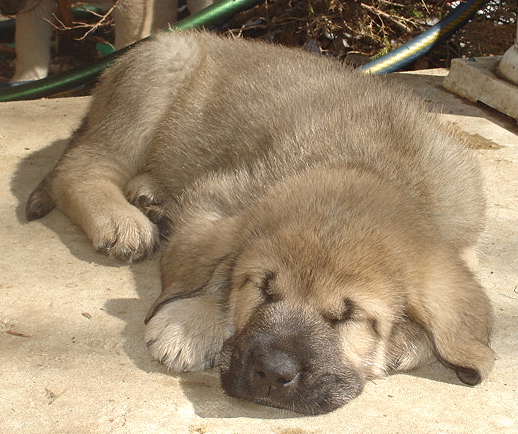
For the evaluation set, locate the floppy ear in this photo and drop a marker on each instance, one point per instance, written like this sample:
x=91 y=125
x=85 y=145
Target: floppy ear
x=454 y=310
x=198 y=259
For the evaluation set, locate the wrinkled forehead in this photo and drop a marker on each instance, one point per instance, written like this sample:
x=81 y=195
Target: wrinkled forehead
x=317 y=294
x=378 y=295
x=319 y=277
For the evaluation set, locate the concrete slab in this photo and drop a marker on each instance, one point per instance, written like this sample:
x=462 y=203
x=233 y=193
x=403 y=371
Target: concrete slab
x=72 y=358
x=475 y=79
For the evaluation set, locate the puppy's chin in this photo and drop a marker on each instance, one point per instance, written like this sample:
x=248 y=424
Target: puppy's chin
x=299 y=369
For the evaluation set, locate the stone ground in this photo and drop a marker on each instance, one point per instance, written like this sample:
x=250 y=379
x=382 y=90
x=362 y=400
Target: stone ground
x=72 y=357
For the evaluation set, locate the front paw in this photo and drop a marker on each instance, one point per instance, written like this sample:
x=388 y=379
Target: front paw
x=124 y=233
x=187 y=334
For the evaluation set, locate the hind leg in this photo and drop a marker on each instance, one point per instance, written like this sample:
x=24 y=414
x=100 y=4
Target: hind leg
x=87 y=184
x=33 y=33
x=137 y=19
x=89 y=191
x=112 y=147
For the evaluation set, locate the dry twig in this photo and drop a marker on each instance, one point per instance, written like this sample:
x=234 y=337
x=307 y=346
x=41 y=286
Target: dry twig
x=92 y=27
x=394 y=20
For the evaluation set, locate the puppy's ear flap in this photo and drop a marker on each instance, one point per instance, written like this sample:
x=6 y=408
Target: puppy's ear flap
x=199 y=259
x=454 y=310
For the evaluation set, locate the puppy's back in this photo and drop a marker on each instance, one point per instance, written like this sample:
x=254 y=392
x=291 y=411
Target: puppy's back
x=245 y=102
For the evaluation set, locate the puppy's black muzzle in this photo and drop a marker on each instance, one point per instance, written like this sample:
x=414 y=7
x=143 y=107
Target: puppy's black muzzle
x=288 y=359
x=274 y=372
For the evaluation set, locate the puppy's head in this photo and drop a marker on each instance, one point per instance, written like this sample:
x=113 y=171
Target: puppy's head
x=310 y=329
x=323 y=302
x=313 y=306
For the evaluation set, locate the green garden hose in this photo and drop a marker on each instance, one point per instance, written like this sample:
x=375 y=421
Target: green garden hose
x=79 y=76
x=225 y=9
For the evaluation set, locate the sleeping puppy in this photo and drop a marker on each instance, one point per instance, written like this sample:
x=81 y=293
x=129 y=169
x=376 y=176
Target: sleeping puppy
x=318 y=219
x=134 y=20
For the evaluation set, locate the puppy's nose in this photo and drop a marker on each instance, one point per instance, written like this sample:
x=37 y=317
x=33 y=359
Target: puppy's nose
x=274 y=372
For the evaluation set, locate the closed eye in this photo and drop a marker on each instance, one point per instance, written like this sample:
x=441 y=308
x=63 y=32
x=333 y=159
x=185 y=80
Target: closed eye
x=346 y=313
x=265 y=286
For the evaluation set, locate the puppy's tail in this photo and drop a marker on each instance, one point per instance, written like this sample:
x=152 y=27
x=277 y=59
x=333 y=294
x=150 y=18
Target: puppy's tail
x=40 y=202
